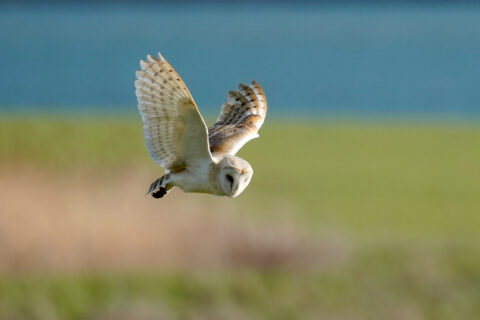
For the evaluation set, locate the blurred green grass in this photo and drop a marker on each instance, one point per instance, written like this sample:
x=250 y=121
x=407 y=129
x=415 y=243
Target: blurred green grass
x=69 y=142
x=376 y=284
x=367 y=179
x=405 y=193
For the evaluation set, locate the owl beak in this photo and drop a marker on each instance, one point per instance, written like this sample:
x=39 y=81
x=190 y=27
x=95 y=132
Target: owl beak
x=235 y=186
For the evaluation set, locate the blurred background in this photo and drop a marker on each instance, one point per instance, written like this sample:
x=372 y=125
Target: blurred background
x=365 y=200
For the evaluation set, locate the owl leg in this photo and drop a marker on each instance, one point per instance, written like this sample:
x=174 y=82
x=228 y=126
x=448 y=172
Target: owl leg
x=160 y=187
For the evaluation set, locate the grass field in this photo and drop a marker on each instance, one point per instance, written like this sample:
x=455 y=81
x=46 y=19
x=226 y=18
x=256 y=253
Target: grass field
x=410 y=179
x=350 y=220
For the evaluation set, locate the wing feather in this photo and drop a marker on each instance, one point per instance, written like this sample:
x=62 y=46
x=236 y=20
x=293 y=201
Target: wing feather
x=239 y=121
x=175 y=132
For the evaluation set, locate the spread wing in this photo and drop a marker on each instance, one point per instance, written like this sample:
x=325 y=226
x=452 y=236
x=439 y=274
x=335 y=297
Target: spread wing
x=174 y=130
x=240 y=119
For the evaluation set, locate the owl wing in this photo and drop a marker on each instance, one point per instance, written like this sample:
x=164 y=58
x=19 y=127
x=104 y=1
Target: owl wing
x=240 y=119
x=175 y=132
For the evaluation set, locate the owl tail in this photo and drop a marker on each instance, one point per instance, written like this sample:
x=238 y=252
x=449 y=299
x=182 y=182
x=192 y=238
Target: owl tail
x=160 y=187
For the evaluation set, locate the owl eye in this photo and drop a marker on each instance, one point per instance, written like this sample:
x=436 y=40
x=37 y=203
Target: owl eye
x=229 y=178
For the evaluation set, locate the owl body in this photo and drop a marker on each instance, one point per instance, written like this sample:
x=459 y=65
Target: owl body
x=198 y=177
x=196 y=158
x=213 y=177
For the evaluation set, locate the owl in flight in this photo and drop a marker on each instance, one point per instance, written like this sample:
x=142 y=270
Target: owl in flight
x=196 y=158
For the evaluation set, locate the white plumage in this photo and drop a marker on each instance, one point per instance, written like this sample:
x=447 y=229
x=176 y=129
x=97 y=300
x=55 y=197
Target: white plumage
x=195 y=158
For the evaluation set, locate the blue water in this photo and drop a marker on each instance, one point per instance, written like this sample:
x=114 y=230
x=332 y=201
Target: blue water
x=310 y=59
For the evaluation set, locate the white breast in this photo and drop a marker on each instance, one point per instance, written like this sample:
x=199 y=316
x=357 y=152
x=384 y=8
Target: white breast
x=195 y=178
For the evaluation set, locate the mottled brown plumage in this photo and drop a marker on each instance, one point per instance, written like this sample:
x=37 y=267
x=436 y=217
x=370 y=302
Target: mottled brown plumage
x=240 y=119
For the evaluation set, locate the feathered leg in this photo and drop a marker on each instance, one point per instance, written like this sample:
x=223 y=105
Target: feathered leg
x=160 y=187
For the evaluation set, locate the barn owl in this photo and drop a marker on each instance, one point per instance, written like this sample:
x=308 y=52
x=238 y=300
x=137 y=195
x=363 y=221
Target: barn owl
x=196 y=158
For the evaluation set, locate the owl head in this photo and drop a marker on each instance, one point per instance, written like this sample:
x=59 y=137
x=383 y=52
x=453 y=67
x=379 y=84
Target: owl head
x=234 y=175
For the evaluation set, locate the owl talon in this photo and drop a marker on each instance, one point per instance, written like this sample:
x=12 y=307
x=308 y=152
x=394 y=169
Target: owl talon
x=160 y=193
